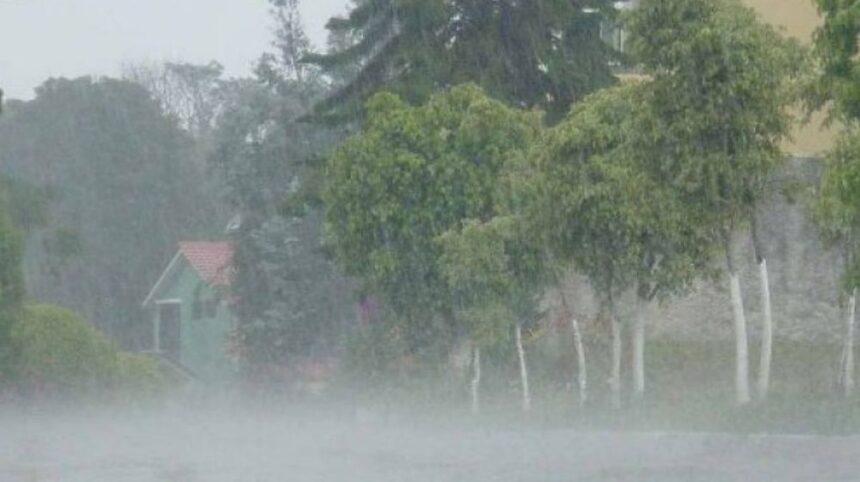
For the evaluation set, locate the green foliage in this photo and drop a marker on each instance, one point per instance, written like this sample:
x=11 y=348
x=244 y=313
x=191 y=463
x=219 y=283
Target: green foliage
x=722 y=86
x=57 y=353
x=378 y=356
x=836 y=46
x=11 y=282
x=837 y=204
x=290 y=300
x=476 y=264
x=412 y=174
x=591 y=200
x=27 y=205
x=535 y=53
x=125 y=185
x=600 y=201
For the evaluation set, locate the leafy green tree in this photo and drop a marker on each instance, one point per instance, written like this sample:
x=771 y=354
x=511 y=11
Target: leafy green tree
x=836 y=47
x=722 y=90
x=411 y=175
x=494 y=271
x=535 y=53
x=837 y=213
x=601 y=203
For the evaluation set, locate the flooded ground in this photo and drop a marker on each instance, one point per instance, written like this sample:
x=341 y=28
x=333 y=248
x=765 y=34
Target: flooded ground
x=191 y=447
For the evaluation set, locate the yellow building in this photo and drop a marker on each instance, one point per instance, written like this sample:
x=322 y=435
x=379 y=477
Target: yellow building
x=799 y=19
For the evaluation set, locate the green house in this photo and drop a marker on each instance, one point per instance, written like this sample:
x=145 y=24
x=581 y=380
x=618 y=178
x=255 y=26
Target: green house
x=189 y=309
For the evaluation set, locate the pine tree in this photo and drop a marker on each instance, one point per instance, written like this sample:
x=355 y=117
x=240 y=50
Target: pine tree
x=534 y=53
x=290 y=302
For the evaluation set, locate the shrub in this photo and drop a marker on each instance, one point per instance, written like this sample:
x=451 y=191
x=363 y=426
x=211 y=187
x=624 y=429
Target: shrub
x=56 y=352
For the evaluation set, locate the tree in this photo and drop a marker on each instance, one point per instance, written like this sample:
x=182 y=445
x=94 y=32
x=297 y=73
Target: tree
x=411 y=175
x=583 y=167
x=124 y=182
x=291 y=43
x=494 y=274
x=192 y=94
x=837 y=213
x=11 y=285
x=602 y=203
x=28 y=206
x=835 y=208
x=536 y=53
x=836 y=48
x=291 y=302
x=721 y=82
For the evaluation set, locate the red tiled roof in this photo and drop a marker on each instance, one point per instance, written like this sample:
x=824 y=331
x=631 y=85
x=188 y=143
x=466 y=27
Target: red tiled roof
x=211 y=260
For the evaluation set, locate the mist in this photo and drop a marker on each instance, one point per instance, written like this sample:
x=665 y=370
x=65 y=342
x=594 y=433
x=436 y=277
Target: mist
x=268 y=444
x=423 y=241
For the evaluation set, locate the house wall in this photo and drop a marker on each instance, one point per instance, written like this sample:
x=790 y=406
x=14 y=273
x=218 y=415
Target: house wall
x=803 y=274
x=204 y=341
x=799 y=19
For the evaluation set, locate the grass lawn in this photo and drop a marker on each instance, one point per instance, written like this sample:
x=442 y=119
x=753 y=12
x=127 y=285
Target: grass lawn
x=689 y=388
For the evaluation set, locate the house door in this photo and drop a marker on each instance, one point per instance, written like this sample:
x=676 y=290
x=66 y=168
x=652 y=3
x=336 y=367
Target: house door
x=170 y=329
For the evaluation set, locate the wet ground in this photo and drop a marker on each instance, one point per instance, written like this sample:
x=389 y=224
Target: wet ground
x=194 y=447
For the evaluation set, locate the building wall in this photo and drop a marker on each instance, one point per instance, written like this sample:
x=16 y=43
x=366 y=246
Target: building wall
x=803 y=274
x=799 y=19
x=205 y=341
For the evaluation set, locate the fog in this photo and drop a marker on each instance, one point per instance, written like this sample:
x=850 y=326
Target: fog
x=279 y=444
x=435 y=240
x=99 y=37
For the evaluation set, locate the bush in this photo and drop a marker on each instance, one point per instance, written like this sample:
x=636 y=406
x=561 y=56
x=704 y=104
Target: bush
x=56 y=352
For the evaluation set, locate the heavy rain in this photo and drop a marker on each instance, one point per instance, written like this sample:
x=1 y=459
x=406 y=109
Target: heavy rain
x=399 y=240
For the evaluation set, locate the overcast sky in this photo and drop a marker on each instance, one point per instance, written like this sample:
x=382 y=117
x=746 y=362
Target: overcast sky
x=69 y=38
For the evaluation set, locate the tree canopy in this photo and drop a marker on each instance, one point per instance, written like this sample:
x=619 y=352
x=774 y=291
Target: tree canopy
x=125 y=184
x=722 y=87
x=836 y=46
x=291 y=303
x=600 y=201
x=536 y=53
x=835 y=208
x=11 y=282
x=411 y=175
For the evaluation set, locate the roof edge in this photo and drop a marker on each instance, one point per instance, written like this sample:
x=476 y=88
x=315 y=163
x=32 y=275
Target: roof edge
x=161 y=279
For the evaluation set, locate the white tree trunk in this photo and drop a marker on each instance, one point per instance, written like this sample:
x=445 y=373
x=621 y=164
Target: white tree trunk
x=615 y=377
x=476 y=380
x=582 y=377
x=848 y=355
x=742 y=388
x=524 y=371
x=766 y=333
x=639 y=350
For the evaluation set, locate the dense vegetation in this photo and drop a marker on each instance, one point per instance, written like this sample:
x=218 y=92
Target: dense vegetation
x=480 y=157
x=122 y=187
